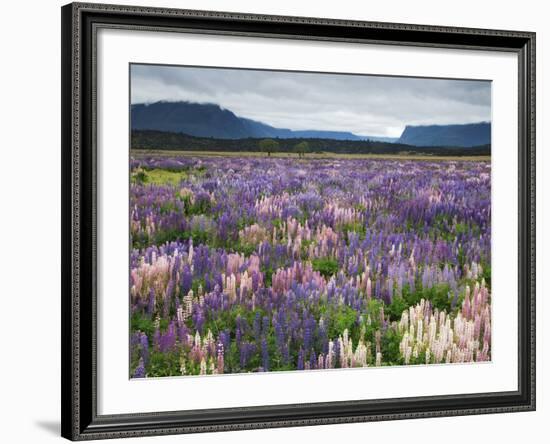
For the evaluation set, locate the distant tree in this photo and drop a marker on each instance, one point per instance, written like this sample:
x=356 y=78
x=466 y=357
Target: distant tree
x=301 y=148
x=269 y=146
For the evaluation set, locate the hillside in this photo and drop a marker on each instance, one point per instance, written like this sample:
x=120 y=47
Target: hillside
x=211 y=120
x=466 y=135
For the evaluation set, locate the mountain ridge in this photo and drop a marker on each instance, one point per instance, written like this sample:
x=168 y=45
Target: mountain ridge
x=212 y=120
x=463 y=135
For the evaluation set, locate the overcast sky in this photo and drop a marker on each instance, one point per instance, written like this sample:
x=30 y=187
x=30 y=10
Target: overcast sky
x=364 y=105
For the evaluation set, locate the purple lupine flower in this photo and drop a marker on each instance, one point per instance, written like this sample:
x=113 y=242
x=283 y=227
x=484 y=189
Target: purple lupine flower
x=265 y=325
x=156 y=338
x=238 y=329
x=140 y=370
x=313 y=360
x=265 y=356
x=323 y=338
x=151 y=304
x=144 y=345
x=257 y=325
x=167 y=340
x=389 y=294
x=186 y=280
x=337 y=352
x=168 y=297
x=225 y=339
x=300 y=364
x=198 y=319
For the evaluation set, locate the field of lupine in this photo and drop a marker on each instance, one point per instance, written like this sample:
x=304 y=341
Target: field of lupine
x=259 y=264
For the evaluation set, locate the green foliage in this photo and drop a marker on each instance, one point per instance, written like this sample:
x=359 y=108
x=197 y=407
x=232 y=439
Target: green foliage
x=142 y=323
x=268 y=146
x=461 y=228
x=196 y=284
x=340 y=318
x=277 y=222
x=305 y=248
x=327 y=266
x=268 y=275
x=165 y=177
x=232 y=357
x=163 y=364
x=202 y=206
x=244 y=248
x=354 y=227
x=438 y=295
x=374 y=306
x=461 y=257
x=396 y=308
x=164 y=236
x=245 y=221
x=140 y=240
x=411 y=298
x=195 y=208
x=168 y=207
x=160 y=176
x=413 y=226
x=139 y=177
x=198 y=236
x=301 y=148
x=390 y=347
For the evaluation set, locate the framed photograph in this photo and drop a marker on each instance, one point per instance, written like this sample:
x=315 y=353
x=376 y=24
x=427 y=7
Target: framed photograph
x=281 y=221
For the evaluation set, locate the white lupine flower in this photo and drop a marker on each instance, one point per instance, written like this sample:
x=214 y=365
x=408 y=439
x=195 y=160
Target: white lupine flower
x=447 y=339
x=190 y=254
x=432 y=331
x=404 y=322
x=369 y=288
x=321 y=361
x=419 y=333
x=407 y=354
x=330 y=356
x=343 y=361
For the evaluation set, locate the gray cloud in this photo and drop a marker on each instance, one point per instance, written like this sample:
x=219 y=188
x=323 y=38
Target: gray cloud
x=366 y=105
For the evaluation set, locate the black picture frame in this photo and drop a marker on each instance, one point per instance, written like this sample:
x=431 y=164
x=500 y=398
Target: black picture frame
x=80 y=22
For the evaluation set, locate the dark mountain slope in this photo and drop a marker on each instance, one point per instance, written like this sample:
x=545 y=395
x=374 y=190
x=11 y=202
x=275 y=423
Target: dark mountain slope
x=472 y=134
x=210 y=120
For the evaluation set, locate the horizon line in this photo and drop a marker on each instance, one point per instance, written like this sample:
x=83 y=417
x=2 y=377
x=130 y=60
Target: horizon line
x=489 y=122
